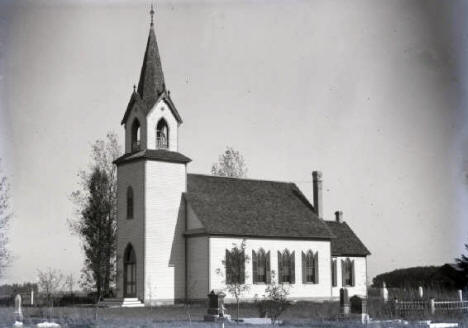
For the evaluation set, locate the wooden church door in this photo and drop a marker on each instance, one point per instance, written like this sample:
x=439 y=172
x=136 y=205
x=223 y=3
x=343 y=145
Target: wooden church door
x=129 y=272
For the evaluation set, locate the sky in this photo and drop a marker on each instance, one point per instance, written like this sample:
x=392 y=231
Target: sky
x=371 y=93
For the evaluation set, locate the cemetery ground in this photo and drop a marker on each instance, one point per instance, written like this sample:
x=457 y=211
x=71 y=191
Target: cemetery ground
x=300 y=314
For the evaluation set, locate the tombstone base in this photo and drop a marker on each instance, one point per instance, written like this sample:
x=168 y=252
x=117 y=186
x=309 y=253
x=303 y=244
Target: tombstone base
x=215 y=318
x=346 y=309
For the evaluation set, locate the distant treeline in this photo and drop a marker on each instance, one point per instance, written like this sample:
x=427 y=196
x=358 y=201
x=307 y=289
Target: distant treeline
x=425 y=276
x=13 y=289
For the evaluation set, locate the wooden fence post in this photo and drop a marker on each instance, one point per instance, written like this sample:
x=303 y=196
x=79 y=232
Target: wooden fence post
x=432 y=305
x=32 y=297
x=460 y=295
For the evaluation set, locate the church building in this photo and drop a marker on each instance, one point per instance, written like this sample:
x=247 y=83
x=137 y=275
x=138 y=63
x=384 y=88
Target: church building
x=176 y=229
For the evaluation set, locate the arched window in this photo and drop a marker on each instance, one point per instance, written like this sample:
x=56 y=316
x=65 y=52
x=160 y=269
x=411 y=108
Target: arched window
x=261 y=267
x=162 y=135
x=286 y=267
x=235 y=266
x=347 y=272
x=129 y=203
x=310 y=267
x=333 y=270
x=135 y=135
x=129 y=272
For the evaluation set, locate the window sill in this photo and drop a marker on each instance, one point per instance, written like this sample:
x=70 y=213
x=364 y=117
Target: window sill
x=260 y=283
x=310 y=283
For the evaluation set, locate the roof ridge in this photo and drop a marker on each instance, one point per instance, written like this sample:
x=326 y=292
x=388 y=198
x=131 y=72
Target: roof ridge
x=241 y=179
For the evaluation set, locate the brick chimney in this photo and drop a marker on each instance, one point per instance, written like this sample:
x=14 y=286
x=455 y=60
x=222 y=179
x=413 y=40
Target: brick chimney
x=339 y=216
x=317 y=187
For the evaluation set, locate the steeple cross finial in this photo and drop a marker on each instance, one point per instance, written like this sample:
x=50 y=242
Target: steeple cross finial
x=152 y=14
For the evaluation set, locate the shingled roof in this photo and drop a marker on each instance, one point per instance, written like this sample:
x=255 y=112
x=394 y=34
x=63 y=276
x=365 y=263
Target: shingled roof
x=346 y=242
x=151 y=86
x=155 y=155
x=253 y=208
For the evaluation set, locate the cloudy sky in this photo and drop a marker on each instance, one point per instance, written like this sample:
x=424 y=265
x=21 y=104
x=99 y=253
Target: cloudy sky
x=371 y=93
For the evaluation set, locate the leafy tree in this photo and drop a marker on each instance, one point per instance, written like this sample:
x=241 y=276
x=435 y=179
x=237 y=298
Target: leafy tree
x=95 y=224
x=5 y=216
x=407 y=278
x=70 y=283
x=230 y=164
x=462 y=262
x=234 y=263
x=49 y=283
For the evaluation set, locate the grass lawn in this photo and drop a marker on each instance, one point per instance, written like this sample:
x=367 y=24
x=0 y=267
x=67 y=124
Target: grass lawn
x=298 y=315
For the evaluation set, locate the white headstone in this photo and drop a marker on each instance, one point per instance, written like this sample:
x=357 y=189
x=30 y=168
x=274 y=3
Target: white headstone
x=18 y=309
x=420 y=292
x=460 y=295
x=384 y=292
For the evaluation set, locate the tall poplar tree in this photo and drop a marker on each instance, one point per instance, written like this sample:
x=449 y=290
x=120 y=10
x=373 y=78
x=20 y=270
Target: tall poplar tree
x=96 y=216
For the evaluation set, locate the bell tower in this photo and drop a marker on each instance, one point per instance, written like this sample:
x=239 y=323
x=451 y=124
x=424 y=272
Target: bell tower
x=151 y=177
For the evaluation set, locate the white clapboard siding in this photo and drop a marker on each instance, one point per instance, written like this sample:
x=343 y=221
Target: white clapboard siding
x=197 y=268
x=165 y=224
x=322 y=290
x=360 y=279
x=161 y=110
x=130 y=231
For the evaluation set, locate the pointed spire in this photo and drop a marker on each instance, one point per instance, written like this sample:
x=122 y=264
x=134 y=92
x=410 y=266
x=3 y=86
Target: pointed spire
x=152 y=14
x=151 y=84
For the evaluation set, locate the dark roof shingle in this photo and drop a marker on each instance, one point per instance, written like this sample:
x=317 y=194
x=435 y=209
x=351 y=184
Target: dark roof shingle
x=151 y=84
x=346 y=242
x=255 y=208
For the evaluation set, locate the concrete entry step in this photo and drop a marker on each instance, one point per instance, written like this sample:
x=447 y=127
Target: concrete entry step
x=121 y=302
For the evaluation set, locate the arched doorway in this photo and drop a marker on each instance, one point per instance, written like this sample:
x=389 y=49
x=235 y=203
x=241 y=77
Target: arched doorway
x=129 y=272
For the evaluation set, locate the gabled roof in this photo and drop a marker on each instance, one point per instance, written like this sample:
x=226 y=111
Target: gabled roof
x=155 y=155
x=253 y=208
x=346 y=242
x=135 y=100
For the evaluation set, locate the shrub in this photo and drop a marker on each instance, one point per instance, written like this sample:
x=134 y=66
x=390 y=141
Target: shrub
x=275 y=301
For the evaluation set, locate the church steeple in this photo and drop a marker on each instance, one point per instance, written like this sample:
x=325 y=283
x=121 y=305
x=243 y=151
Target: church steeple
x=151 y=84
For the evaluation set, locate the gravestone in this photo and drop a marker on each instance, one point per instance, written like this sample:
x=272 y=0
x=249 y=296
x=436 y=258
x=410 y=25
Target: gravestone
x=384 y=292
x=18 y=309
x=216 y=308
x=358 y=304
x=420 y=292
x=344 y=301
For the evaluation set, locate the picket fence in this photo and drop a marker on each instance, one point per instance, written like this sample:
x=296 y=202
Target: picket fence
x=430 y=306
